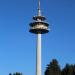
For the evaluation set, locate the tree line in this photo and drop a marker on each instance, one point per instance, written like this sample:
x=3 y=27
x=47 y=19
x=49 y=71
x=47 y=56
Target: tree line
x=53 y=68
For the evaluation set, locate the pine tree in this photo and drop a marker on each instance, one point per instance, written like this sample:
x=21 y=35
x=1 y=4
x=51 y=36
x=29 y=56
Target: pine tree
x=68 y=70
x=17 y=73
x=53 y=68
x=74 y=69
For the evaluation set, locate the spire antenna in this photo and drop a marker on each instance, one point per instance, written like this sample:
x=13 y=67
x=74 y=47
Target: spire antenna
x=39 y=10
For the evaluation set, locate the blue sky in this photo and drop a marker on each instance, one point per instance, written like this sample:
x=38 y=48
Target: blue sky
x=18 y=46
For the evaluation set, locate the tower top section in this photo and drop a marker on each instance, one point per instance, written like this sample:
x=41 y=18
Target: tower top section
x=39 y=25
x=39 y=15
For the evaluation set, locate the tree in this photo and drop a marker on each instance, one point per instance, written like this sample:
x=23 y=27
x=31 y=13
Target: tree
x=10 y=74
x=17 y=73
x=53 y=68
x=68 y=70
x=74 y=69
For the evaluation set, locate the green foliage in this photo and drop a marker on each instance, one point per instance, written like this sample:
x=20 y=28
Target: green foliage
x=53 y=68
x=17 y=73
x=68 y=70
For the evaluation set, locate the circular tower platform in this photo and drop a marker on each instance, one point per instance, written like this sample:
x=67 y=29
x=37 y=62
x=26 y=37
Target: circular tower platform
x=39 y=25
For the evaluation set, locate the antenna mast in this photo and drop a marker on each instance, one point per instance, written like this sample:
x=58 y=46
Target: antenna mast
x=39 y=10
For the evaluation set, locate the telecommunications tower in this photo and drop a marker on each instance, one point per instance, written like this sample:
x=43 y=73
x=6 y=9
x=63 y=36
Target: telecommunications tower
x=39 y=26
